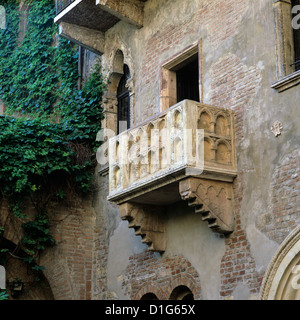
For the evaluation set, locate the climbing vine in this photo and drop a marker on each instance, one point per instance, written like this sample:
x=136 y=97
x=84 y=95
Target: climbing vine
x=32 y=79
x=48 y=132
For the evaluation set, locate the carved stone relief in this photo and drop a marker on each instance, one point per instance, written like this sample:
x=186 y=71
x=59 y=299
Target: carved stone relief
x=155 y=156
x=211 y=199
x=148 y=222
x=116 y=55
x=277 y=128
x=282 y=278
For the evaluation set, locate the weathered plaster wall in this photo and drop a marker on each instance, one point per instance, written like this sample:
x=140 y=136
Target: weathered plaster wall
x=189 y=236
x=98 y=257
x=239 y=67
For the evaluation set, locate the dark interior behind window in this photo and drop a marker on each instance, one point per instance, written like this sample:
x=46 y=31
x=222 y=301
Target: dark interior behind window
x=187 y=78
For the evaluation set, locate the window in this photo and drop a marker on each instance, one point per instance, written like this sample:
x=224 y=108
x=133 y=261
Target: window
x=287 y=44
x=296 y=34
x=123 y=102
x=86 y=62
x=181 y=78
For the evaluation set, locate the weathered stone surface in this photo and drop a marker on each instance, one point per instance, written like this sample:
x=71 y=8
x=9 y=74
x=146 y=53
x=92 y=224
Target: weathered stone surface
x=187 y=139
x=212 y=200
x=86 y=14
x=128 y=10
x=148 y=222
x=91 y=39
x=245 y=51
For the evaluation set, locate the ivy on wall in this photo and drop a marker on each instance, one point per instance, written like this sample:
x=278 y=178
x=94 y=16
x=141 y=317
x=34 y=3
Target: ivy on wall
x=30 y=69
x=48 y=132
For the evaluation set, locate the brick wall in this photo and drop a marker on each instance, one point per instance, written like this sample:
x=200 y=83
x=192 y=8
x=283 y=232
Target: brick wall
x=161 y=45
x=284 y=215
x=222 y=18
x=234 y=85
x=238 y=265
x=69 y=264
x=148 y=273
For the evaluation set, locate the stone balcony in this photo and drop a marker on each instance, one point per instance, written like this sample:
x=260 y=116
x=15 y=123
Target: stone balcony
x=189 y=139
x=185 y=153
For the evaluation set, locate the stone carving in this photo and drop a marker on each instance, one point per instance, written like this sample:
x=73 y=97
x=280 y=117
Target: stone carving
x=211 y=199
x=186 y=152
x=148 y=222
x=281 y=281
x=171 y=141
x=277 y=128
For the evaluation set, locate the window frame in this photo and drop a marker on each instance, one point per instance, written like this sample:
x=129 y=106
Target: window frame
x=287 y=77
x=121 y=98
x=168 y=87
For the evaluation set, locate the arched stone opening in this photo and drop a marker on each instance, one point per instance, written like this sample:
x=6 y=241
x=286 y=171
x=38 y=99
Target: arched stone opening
x=149 y=296
x=149 y=291
x=119 y=94
x=123 y=105
x=182 y=293
x=282 y=278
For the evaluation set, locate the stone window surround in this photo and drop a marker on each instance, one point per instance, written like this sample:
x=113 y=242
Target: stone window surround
x=119 y=58
x=286 y=76
x=168 y=94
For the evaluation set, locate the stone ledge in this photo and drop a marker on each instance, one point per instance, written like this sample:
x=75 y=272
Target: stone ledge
x=287 y=82
x=90 y=39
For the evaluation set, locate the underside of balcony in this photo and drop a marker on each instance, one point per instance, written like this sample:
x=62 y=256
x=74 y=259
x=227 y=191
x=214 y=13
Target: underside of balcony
x=86 y=13
x=85 y=21
x=99 y=15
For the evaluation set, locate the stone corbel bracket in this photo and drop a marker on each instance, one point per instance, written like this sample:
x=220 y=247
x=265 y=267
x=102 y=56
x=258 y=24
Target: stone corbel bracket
x=212 y=199
x=148 y=222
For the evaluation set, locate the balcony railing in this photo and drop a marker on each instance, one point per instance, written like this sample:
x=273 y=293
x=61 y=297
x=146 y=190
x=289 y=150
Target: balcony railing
x=61 y=5
x=189 y=139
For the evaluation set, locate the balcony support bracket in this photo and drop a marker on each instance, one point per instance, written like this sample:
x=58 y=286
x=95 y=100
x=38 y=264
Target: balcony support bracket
x=90 y=39
x=212 y=199
x=131 y=11
x=148 y=222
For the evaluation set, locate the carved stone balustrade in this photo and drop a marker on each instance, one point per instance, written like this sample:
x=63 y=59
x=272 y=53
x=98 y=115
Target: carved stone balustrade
x=185 y=153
